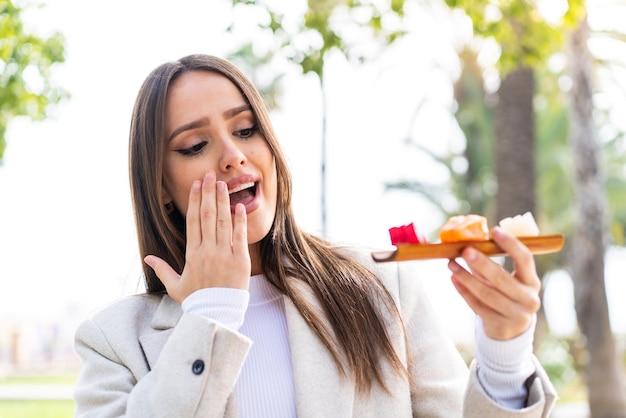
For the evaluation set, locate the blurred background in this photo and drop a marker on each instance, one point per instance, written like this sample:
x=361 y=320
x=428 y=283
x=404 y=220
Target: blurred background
x=389 y=112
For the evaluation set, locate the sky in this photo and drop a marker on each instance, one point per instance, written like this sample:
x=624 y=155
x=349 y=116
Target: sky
x=67 y=238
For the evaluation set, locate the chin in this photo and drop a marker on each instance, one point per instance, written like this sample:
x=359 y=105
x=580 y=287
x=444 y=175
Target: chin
x=259 y=226
x=256 y=235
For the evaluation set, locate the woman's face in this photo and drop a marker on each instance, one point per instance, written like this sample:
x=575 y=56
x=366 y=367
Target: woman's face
x=209 y=126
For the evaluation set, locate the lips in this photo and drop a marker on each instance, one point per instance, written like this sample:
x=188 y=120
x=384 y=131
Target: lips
x=243 y=189
x=243 y=194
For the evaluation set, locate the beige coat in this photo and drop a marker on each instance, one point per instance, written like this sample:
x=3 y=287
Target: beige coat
x=138 y=355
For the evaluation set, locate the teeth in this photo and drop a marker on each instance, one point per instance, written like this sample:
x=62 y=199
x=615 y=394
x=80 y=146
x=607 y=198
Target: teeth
x=241 y=187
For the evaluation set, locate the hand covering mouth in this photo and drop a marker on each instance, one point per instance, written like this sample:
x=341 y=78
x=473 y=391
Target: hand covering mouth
x=243 y=193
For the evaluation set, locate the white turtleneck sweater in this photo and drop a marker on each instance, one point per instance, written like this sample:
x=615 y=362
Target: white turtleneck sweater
x=265 y=387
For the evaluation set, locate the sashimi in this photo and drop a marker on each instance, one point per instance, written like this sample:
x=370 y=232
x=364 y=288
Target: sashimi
x=406 y=234
x=520 y=225
x=464 y=228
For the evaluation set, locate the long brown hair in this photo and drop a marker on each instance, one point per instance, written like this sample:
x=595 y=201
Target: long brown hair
x=352 y=297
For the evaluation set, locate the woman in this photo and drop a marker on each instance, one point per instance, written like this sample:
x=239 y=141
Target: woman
x=247 y=315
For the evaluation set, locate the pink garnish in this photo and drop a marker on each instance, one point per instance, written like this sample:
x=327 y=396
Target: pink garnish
x=406 y=234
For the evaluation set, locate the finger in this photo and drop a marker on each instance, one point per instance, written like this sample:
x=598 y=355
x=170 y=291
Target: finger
x=194 y=236
x=481 y=294
x=479 y=303
x=498 y=325
x=240 y=230
x=163 y=270
x=506 y=296
x=475 y=304
x=224 y=226
x=493 y=275
x=208 y=210
x=489 y=271
x=476 y=291
x=525 y=270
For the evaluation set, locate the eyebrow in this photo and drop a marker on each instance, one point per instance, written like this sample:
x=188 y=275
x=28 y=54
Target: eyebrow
x=230 y=113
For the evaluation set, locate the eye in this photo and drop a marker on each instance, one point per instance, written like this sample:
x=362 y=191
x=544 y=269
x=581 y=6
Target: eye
x=192 y=150
x=248 y=132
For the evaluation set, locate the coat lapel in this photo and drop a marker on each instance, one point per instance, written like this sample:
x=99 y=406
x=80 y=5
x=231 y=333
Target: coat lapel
x=320 y=389
x=153 y=339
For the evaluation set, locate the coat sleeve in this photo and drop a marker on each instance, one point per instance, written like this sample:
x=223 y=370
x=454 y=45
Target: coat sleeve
x=195 y=371
x=442 y=385
x=540 y=401
x=436 y=367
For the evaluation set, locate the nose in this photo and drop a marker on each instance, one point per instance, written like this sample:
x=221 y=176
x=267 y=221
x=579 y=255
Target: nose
x=232 y=156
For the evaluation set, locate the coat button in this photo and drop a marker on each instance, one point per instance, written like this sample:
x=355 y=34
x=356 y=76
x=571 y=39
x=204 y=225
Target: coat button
x=197 y=367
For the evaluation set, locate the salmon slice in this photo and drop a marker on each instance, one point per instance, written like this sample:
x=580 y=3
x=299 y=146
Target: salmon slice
x=464 y=228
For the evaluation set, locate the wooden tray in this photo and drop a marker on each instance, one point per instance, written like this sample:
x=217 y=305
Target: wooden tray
x=541 y=244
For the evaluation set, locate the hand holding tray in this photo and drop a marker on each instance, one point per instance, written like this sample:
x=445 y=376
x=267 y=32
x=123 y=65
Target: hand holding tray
x=541 y=244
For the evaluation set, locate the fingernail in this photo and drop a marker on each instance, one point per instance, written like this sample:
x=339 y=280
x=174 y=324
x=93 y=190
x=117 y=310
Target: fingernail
x=470 y=254
x=196 y=186
x=453 y=266
x=497 y=232
x=148 y=260
x=221 y=186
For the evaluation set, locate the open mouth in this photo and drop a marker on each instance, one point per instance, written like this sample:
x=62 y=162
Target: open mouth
x=243 y=193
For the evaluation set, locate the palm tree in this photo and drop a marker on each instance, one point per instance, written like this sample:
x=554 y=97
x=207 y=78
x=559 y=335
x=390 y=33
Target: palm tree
x=605 y=377
x=514 y=125
x=472 y=186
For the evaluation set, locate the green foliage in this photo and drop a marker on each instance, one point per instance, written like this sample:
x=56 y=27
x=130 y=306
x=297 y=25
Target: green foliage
x=553 y=157
x=473 y=188
x=321 y=26
x=525 y=38
x=557 y=360
x=26 y=62
x=253 y=64
x=476 y=185
x=614 y=161
x=37 y=409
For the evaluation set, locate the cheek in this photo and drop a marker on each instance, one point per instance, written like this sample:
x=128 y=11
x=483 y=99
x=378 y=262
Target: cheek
x=269 y=171
x=177 y=187
x=273 y=185
x=275 y=180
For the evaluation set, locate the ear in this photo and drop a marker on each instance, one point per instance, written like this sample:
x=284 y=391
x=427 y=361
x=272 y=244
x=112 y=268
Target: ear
x=168 y=202
x=167 y=199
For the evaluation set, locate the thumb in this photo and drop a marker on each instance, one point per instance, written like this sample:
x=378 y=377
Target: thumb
x=164 y=271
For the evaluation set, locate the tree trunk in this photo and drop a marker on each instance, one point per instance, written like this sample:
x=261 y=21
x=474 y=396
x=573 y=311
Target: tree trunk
x=515 y=145
x=605 y=380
